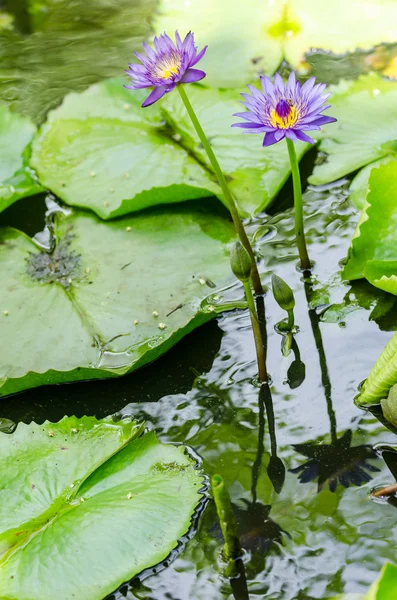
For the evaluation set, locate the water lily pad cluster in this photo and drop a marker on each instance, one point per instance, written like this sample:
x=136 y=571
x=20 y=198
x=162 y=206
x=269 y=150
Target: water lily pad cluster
x=88 y=504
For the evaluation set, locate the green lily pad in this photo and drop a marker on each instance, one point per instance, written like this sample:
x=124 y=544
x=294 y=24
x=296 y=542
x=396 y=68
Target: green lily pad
x=88 y=504
x=359 y=185
x=70 y=47
x=366 y=130
x=16 y=178
x=86 y=311
x=254 y=38
x=373 y=253
x=101 y=150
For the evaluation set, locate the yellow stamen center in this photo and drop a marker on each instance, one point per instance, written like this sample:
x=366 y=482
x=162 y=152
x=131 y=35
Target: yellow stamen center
x=169 y=66
x=284 y=122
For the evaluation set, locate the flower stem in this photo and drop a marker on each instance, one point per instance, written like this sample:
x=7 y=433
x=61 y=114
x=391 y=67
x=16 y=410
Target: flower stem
x=225 y=189
x=299 y=229
x=291 y=319
x=260 y=352
x=232 y=547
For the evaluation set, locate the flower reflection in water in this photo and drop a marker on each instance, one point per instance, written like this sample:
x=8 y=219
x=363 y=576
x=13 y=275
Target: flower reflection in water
x=336 y=463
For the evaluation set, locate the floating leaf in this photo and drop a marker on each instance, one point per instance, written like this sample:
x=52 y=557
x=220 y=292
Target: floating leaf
x=86 y=504
x=74 y=46
x=86 y=311
x=101 y=150
x=373 y=253
x=366 y=130
x=249 y=40
x=16 y=178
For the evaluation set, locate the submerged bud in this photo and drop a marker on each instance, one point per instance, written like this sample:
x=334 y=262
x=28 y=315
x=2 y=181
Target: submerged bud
x=240 y=262
x=282 y=293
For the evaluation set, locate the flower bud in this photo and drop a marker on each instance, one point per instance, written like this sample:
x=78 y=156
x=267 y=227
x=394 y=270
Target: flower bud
x=240 y=262
x=282 y=293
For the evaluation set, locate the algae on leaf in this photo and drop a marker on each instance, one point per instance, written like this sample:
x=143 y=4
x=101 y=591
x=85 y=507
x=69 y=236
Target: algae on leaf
x=101 y=150
x=373 y=252
x=86 y=504
x=86 y=311
x=17 y=180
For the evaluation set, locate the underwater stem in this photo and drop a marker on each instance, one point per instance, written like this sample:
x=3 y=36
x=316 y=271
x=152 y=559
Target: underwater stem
x=232 y=547
x=299 y=228
x=256 y=329
x=225 y=189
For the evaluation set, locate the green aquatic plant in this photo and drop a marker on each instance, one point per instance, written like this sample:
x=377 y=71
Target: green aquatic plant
x=382 y=377
x=389 y=406
x=284 y=297
x=232 y=547
x=168 y=67
x=241 y=265
x=287 y=111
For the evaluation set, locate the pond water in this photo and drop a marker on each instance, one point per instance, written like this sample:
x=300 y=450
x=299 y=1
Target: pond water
x=305 y=537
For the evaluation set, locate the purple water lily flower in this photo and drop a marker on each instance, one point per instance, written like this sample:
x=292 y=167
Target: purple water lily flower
x=166 y=65
x=285 y=109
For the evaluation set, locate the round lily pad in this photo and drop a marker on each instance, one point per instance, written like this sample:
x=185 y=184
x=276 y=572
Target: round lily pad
x=86 y=504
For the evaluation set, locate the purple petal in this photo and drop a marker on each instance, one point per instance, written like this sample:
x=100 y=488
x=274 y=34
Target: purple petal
x=291 y=135
x=322 y=120
x=193 y=75
x=178 y=40
x=268 y=88
x=291 y=83
x=149 y=51
x=303 y=137
x=278 y=83
x=198 y=57
x=254 y=91
x=248 y=116
x=308 y=85
x=188 y=42
x=269 y=139
x=258 y=127
x=280 y=134
x=155 y=95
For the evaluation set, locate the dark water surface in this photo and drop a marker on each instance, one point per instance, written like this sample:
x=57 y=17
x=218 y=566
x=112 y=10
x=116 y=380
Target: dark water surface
x=308 y=536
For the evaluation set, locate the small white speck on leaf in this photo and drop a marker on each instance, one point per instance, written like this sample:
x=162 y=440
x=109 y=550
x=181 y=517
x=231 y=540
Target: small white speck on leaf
x=162 y=325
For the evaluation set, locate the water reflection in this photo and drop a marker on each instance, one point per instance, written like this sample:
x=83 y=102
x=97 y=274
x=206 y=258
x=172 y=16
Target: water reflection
x=337 y=462
x=334 y=463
